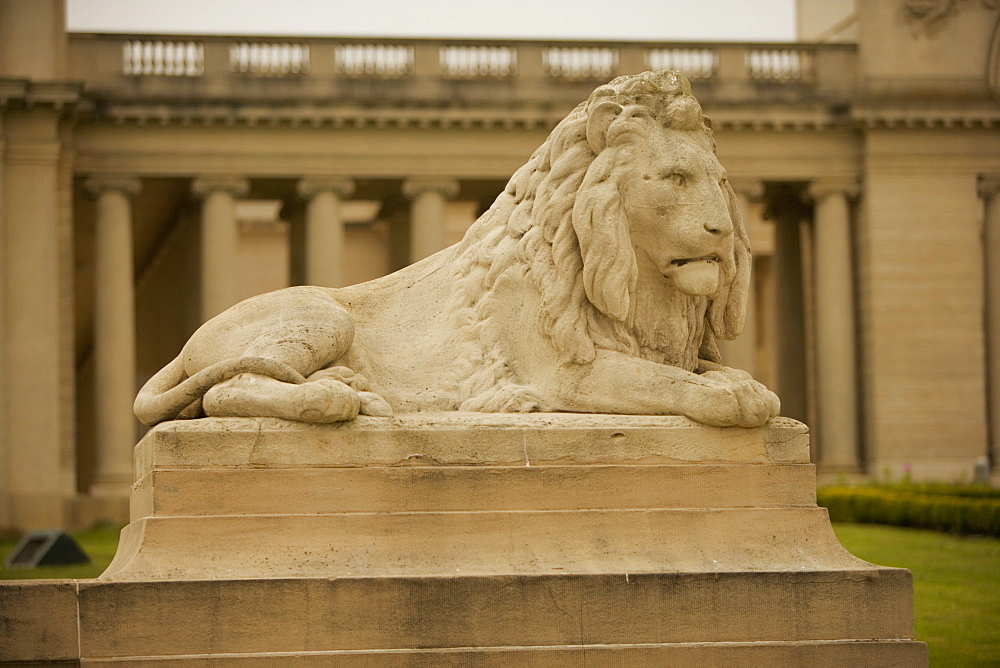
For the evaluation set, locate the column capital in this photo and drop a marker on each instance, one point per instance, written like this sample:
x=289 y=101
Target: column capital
x=846 y=186
x=127 y=185
x=749 y=187
x=203 y=186
x=417 y=186
x=310 y=186
x=987 y=186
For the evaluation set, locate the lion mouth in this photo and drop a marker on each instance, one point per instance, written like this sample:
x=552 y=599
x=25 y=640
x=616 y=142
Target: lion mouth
x=680 y=262
x=695 y=276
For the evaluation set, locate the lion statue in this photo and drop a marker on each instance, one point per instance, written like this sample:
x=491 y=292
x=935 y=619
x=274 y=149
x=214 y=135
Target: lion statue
x=597 y=282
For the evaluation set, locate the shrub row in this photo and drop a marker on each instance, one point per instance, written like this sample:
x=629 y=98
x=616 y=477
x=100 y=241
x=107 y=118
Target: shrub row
x=945 y=488
x=910 y=507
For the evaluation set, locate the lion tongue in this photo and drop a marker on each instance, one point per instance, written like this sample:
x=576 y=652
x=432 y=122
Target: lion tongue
x=697 y=278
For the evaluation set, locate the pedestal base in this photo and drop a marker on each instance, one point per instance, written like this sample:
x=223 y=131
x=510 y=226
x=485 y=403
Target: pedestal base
x=485 y=539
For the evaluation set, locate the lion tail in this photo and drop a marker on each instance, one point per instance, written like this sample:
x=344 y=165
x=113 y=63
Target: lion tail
x=170 y=390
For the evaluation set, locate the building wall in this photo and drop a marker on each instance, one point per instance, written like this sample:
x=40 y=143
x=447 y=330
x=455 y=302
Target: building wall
x=901 y=128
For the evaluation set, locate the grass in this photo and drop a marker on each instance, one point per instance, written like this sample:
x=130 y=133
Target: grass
x=99 y=543
x=956 y=587
x=956 y=582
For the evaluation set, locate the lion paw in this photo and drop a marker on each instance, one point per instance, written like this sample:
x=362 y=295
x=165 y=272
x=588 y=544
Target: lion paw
x=374 y=405
x=325 y=401
x=344 y=375
x=251 y=395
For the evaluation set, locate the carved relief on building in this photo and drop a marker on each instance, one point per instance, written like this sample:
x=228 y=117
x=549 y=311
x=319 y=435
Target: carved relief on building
x=928 y=17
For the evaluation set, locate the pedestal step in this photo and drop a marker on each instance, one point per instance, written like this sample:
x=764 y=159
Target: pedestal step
x=507 y=543
x=825 y=653
x=213 y=490
x=648 y=615
x=537 y=540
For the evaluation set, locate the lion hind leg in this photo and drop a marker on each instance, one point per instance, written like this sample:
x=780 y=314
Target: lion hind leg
x=252 y=395
x=167 y=394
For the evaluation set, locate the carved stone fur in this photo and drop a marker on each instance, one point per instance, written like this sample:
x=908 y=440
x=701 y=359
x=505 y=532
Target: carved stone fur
x=597 y=282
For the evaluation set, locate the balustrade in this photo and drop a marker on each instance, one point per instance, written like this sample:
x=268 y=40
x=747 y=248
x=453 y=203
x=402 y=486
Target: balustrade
x=470 y=62
x=379 y=60
x=269 y=58
x=580 y=62
x=779 y=64
x=695 y=64
x=164 y=58
x=738 y=67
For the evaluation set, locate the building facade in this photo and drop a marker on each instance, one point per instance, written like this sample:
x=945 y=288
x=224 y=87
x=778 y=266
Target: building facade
x=149 y=182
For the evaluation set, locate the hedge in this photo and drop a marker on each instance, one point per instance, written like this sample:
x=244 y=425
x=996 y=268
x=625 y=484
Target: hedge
x=957 y=509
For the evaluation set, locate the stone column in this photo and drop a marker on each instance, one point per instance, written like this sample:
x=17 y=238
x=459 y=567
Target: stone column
x=324 y=242
x=427 y=221
x=741 y=353
x=787 y=212
x=989 y=190
x=114 y=334
x=35 y=392
x=219 y=241
x=836 y=373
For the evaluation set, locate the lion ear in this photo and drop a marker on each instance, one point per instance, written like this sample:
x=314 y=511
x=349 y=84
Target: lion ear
x=728 y=311
x=597 y=124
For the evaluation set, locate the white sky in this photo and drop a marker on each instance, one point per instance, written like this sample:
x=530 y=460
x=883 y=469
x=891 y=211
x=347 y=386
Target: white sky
x=666 y=20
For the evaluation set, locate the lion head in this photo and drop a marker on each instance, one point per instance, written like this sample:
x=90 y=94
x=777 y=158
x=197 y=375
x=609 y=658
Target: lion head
x=627 y=227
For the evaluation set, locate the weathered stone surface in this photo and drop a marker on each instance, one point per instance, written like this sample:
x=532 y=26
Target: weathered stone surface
x=618 y=548
x=38 y=621
x=323 y=614
x=256 y=491
x=470 y=439
x=883 y=653
x=438 y=494
x=598 y=282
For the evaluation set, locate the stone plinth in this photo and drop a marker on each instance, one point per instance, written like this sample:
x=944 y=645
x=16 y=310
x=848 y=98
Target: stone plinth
x=539 y=540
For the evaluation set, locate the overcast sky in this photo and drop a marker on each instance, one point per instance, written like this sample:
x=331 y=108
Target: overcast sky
x=668 y=20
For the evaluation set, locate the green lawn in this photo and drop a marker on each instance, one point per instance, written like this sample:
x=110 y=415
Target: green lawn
x=956 y=587
x=956 y=582
x=99 y=544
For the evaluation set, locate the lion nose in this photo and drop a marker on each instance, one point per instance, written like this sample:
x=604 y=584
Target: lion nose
x=719 y=227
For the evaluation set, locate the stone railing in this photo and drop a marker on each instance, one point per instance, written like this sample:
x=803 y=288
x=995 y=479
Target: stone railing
x=269 y=58
x=528 y=70
x=157 y=57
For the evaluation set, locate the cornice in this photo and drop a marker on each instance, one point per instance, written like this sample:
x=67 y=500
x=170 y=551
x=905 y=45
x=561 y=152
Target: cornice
x=229 y=115
x=765 y=118
x=970 y=116
x=225 y=115
x=731 y=117
x=58 y=95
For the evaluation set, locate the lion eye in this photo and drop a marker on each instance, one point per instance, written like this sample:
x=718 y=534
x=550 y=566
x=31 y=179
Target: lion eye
x=677 y=179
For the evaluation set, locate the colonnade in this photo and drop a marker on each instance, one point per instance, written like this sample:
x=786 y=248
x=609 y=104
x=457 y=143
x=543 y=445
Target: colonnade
x=219 y=234
x=832 y=284
x=114 y=333
x=835 y=384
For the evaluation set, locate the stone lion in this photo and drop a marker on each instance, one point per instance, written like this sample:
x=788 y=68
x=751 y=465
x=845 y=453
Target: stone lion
x=597 y=282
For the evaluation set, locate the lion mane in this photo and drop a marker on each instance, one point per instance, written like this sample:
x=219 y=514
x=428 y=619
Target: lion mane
x=560 y=222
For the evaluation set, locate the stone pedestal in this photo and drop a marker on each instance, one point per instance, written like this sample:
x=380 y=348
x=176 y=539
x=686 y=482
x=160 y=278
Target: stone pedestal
x=496 y=539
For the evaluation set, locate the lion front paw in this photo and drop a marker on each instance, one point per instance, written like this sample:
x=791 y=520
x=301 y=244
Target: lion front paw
x=745 y=403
